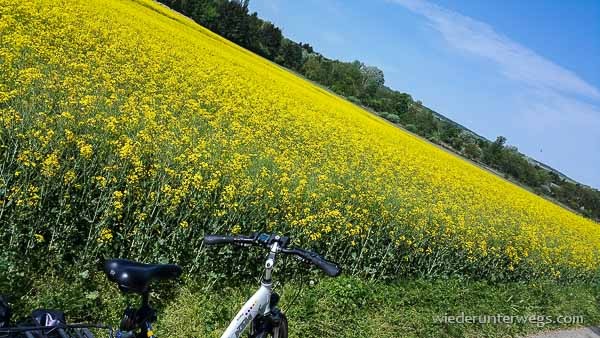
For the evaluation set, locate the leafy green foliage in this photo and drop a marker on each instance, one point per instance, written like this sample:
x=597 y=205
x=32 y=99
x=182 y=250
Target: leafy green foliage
x=290 y=54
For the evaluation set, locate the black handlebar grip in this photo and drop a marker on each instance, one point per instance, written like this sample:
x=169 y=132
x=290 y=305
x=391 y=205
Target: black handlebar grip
x=218 y=239
x=330 y=268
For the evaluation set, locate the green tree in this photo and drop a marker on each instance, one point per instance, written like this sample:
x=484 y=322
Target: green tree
x=308 y=48
x=393 y=118
x=492 y=154
x=290 y=54
x=472 y=150
x=233 y=22
x=205 y=12
x=345 y=77
x=372 y=80
x=312 y=67
x=270 y=39
x=450 y=134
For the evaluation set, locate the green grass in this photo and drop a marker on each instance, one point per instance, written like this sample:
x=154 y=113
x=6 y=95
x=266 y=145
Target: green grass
x=342 y=307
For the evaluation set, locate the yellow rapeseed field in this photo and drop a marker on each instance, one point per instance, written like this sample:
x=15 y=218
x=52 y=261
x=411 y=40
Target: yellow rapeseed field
x=127 y=129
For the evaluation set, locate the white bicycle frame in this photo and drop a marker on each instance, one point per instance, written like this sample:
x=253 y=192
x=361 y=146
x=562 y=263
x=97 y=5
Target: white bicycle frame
x=258 y=304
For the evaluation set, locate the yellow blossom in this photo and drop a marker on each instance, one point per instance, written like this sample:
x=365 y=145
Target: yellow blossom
x=50 y=165
x=86 y=150
x=229 y=138
x=105 y=236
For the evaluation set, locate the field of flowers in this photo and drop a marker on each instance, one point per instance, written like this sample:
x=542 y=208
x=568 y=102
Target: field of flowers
x=128 y=130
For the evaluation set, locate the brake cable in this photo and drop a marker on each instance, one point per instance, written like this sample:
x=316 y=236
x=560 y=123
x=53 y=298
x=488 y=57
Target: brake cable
x=298 y=292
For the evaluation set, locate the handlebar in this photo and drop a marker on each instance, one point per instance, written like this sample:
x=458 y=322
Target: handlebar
x=266 y=240
x=330 y=268
x=217 y=239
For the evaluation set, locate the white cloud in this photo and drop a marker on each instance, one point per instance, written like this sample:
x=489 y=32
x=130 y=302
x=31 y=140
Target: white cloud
x=516 y=61
x=554 y=109
x=547 y=109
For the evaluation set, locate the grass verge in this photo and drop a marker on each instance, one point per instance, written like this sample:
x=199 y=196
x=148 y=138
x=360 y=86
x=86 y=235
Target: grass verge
x=343 y=307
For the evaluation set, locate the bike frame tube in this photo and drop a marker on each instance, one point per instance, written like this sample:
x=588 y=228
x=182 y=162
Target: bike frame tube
x=258 y=304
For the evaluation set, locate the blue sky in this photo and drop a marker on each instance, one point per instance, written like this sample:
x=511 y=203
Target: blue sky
x=528 y=70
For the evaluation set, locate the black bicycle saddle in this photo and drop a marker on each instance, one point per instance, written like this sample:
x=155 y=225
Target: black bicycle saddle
x=136 y=277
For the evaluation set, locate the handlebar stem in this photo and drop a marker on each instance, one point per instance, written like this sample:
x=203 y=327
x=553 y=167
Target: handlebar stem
x=270 y=263
x=277 y=244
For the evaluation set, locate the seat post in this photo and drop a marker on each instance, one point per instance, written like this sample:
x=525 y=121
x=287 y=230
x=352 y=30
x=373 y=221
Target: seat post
x=146 y=312
x=146 y=315
x=145 y=299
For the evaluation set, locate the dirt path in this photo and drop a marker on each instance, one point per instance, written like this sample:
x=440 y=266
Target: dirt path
x=588 y=332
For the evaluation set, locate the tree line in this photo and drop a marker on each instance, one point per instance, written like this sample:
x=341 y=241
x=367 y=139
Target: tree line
x=365 y=85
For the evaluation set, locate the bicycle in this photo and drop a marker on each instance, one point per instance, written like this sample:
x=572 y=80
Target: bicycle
x=261 y=311
x=131 y=277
